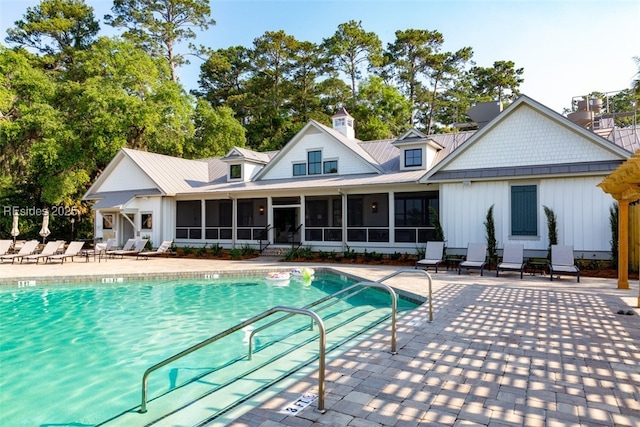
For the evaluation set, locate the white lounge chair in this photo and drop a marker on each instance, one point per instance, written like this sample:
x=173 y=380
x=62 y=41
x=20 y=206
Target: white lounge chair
x=27 y=249
x=73 y=250
x=5 y=246
x=51 y=248
x=164 y=248
x=129 y=244
x=138 y=247
x=562 y=261
x=433 y=256
x=512 y=258
x=99 y=250
x=476 y=257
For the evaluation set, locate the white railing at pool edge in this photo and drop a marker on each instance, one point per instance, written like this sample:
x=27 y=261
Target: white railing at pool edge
x=414 y=271
x=363 y=286
x=293 y=310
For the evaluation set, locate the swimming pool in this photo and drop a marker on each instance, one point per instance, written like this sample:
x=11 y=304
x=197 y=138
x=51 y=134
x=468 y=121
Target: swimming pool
x=74 y=354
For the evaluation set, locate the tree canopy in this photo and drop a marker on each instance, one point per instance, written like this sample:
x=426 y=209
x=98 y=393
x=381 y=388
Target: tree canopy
x=71 y=98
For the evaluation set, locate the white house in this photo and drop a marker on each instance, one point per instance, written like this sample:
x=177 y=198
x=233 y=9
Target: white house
x=327 y=190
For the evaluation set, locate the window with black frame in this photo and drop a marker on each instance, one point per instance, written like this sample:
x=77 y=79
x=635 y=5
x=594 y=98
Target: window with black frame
x=314 y=162
x=235 y=171
x=147 y=221
x=413 y=157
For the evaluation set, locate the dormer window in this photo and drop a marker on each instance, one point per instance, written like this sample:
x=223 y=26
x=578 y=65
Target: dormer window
x=235 y=171
x=413 y=157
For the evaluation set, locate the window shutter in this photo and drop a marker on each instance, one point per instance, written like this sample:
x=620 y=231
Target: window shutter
x=524 y=218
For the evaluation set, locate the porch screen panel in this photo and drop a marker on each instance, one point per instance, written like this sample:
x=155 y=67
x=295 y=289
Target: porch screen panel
x=188 y=219
x=245 y=214
x=413 y=209
x=317 y=213
x=217 y=216
x=524 y=212
x=413 y=217
x=354 y=211
x=316 y=218
x=245 y=219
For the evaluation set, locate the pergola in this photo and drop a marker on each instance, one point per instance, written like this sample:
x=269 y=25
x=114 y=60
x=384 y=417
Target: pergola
x=624 y=185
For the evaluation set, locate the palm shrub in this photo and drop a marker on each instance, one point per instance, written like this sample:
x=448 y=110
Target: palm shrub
x=247 y=250
x=492 y=244
x=202 y=251
x=216 y=249
x=435 y=222
x=235 y=253
x=306 y=252
x=613 y=221
x=552 y=228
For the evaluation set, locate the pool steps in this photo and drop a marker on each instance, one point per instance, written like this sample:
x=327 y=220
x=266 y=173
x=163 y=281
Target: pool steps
x=196 y=402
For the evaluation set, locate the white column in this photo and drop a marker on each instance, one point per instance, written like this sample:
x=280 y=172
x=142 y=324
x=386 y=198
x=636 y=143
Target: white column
x=392 y=215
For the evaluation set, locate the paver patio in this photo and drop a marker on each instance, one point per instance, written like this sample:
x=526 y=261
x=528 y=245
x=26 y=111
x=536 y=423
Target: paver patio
x=499 y=352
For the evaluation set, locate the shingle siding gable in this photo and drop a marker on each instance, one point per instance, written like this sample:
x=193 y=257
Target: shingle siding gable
x=528 y=138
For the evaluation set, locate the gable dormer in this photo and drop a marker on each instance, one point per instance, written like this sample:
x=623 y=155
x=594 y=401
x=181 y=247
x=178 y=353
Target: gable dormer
x=417 y=150
x=243 y=165
x=343 y=122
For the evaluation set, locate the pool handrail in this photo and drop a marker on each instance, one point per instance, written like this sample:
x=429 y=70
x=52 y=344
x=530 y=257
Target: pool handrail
x=313 y=304
x=291 y=310
x=414 y=271
x=366 y=284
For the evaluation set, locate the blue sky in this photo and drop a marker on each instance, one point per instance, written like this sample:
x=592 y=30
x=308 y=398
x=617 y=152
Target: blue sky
x=567 y=48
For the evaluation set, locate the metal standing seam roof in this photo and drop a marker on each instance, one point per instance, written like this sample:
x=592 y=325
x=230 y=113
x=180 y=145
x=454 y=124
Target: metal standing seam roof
x=171 y=174
x=334 y=181
x=628 y=138
x=116 y=199
x=182 y=176
x=254 y=156
x=385 y=153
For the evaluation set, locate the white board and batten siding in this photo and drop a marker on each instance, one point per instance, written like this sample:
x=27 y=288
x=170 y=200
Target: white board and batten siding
x=168 y=216
x=582 y=211
x=464 y=209
x=152 y=205
x=581 y=208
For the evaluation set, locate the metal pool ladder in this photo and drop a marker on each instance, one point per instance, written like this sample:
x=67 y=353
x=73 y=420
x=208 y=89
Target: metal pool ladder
x=292 y=311
x=321 y=350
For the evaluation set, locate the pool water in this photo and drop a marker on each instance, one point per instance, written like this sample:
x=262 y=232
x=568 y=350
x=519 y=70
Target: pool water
x=75 y=354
